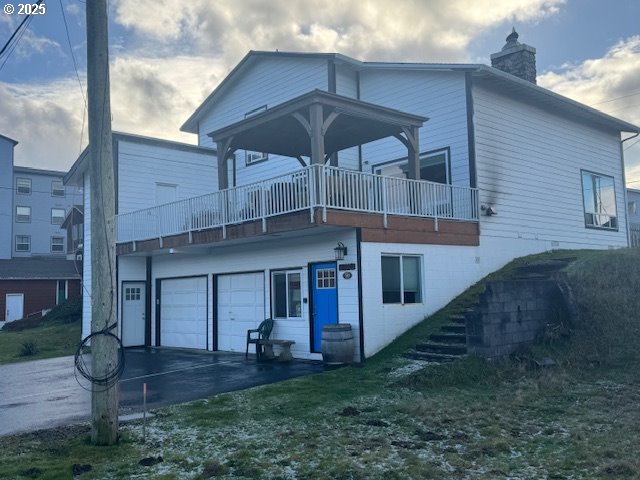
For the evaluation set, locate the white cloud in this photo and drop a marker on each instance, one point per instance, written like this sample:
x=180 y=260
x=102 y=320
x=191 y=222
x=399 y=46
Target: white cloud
x=180 y=51
x=438 y=30
x=610 y=84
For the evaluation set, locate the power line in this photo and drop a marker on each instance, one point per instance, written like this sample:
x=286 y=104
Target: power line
x=10 y=46
x=629 y=146
x=637 y=92
x=75 y=67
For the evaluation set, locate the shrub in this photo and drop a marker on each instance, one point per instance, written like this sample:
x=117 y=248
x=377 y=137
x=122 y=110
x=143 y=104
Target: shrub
x=28 y=348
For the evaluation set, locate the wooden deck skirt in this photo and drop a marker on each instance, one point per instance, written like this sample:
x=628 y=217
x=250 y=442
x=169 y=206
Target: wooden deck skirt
x=399 y=229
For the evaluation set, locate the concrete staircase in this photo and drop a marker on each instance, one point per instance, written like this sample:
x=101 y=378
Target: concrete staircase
x=449 y=344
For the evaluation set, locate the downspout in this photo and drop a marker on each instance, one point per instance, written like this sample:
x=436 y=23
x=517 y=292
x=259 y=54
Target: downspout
x=624 y=188
x=360 y=312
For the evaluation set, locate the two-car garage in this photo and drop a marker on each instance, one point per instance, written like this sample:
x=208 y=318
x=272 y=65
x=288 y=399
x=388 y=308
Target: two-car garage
x=183 y=311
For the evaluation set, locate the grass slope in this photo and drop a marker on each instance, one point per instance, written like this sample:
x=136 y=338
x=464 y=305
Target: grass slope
x=54 y=335
x=394 y=418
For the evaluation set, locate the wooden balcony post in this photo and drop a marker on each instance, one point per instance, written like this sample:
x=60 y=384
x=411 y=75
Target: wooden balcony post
x=317 y=134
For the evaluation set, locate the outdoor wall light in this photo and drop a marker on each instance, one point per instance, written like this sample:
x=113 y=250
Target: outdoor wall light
x=341 y=251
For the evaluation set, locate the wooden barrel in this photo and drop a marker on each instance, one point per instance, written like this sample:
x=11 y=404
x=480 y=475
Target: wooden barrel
x=337 y=343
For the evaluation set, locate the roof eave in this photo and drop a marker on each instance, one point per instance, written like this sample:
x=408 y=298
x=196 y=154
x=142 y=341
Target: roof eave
x=614 y=123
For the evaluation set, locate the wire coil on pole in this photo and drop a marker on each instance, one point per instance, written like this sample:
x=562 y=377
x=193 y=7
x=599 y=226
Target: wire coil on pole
x=111 y=377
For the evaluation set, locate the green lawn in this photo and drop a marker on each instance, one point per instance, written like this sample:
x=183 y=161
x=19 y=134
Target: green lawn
x=55 y=335
x=397 y=419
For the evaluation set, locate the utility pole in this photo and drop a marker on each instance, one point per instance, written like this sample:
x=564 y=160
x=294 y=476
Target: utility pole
x=104 y=348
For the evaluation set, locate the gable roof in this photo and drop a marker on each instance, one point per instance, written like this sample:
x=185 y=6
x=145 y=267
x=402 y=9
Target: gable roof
x=507 y=82
x=38 y=268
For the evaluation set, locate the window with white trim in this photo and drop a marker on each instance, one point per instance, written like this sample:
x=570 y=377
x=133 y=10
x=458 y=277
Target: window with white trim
x=57 y=216
x=23 y=186
x=57 y=244
x=633 y=207
x=286 y=294
x=23 y=214
x=132 y=293
x=401 y=279
x=599 y=197
x=434 y=166
x=23 y=243
x=57 y=188
x=255 y=157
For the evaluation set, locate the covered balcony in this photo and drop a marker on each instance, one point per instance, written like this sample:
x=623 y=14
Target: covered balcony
x=312 y=127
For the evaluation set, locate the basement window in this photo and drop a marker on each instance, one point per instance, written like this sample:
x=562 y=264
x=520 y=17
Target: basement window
x=286 y=294
x=599 y=197
x=401 y=279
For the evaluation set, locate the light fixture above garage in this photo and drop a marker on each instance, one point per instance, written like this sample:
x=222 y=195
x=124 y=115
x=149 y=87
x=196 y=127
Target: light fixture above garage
x=341 y=251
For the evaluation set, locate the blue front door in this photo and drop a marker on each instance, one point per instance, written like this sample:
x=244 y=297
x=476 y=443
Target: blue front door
x=324 y=300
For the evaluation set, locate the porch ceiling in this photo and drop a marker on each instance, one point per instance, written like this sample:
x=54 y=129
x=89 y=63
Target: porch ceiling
x=286 y=128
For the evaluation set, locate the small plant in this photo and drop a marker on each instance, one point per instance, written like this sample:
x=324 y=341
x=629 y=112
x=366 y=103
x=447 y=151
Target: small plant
x=29 y=348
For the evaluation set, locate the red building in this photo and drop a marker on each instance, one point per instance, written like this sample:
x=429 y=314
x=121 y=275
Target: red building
x=30 y=285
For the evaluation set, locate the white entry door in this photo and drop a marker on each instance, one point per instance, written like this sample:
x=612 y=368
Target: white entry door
x=14 y=309
x=133 y=314
x=183 y=312
x=240 y=301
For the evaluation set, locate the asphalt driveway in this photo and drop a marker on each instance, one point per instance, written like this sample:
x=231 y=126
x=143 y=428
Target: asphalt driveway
x=45 y=394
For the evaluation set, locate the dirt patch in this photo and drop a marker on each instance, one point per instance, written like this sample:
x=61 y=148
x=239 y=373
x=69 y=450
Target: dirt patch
x=150 y=461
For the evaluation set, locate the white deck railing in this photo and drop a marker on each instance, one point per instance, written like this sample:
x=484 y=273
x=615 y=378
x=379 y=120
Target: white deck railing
x=313 y=187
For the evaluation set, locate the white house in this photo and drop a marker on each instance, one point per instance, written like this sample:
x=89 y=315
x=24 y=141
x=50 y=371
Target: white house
x=429 y=175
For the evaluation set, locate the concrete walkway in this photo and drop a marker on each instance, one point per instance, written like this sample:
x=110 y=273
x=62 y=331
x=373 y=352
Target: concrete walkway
x=44 y=393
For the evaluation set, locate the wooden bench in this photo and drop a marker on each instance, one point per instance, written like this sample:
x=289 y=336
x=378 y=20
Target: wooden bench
x=285 y=349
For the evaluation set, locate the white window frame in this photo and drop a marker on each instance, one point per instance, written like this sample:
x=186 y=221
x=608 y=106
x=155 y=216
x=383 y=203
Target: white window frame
x=251 y=158
x=54 y=189
x=27 y=243
x=64 y=213
x=18 y=187
x=25 y=218
x=57 y=244
x=400 y=257
x=379 y=168
x=613 y=218
x=287 y=274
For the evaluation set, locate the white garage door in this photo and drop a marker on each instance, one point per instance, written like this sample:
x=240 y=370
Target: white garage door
x=240 y=307
x=183 y=312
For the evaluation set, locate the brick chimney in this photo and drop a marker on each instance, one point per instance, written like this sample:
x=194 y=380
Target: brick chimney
x=516 y=58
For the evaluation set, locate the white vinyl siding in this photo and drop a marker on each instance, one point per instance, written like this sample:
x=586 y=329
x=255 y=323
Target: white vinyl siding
x=269 y=81
x=141 y=167
x=529 y=162
x=273 y=255
x=437 y=95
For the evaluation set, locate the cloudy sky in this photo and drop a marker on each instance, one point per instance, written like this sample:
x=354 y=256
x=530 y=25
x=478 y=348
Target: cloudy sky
x=167 y=56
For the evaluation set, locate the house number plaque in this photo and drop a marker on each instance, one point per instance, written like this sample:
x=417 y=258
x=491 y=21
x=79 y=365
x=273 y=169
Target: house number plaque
x=347 y=266
x=347 y=275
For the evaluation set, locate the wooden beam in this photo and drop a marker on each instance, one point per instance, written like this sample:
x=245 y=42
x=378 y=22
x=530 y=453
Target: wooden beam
x=317 y=137
x=223 y=165
x=413 y=152
x=303 y=121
